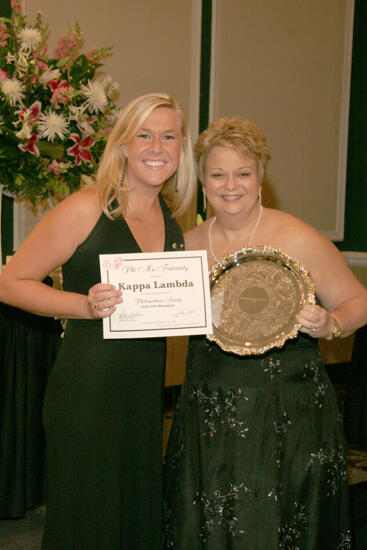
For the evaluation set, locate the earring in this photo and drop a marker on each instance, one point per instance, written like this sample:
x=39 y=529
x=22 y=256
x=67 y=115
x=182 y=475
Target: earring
x=175 y=181
x=124 y=173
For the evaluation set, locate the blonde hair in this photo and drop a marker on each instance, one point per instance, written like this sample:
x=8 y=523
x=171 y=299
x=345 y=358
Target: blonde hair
x=178 y=190
x=236 y=133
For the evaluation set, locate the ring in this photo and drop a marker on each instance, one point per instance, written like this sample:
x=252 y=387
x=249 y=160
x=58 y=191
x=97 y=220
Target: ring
x=95 y=307
x=313 y=330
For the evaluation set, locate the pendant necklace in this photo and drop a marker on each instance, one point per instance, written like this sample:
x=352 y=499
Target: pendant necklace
x=249 y=242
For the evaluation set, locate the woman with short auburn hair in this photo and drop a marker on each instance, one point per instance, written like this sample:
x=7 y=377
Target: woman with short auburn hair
x=256 y=455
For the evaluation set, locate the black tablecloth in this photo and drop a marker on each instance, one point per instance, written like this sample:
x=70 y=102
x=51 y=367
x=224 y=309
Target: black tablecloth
x=355 y=408
x=28 y=347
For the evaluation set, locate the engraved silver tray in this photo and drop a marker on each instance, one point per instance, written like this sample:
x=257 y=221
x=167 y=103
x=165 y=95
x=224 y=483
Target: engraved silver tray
x=255 y=295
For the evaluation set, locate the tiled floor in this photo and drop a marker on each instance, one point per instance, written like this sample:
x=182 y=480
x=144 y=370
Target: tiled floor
x=23 y=534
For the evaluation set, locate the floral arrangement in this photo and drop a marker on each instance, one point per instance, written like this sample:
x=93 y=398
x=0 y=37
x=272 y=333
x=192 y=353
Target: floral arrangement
x=54 y=113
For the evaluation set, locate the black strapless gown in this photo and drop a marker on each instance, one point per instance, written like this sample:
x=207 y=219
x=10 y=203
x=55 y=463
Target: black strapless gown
x=103 y=419
x=256 y=456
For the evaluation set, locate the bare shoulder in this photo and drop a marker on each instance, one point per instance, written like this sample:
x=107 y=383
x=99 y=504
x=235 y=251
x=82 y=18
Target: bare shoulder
x=293 y=235
x=312 y=249
x=83 y=202
x=55 y=238
x=280 y=220
x=196 y=238
x=78 y=213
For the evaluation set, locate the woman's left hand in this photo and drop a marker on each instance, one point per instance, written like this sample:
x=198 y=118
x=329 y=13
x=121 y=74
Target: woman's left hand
x=316 y=321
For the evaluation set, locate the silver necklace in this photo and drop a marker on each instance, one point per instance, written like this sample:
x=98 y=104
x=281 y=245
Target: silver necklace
x=249 y=242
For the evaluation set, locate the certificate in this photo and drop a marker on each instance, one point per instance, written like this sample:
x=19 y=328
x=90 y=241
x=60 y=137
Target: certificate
x=164 y=294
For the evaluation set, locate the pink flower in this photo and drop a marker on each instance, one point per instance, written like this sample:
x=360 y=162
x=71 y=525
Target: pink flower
x=93 y=55
x=3 y=35
x=31 y=114
x=17 y=5
x=90 y=54
x=86 y=127
x=3 y=75
x=80 y=149
x=55 y=167
x=68 y=44
x=60 y=90
x=54 y=84
x=30 y=146
x=40 y=66
x=60 y=95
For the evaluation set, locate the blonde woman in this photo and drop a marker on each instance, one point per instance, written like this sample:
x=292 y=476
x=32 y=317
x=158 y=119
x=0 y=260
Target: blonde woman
x=256 y=457
x=102 y=410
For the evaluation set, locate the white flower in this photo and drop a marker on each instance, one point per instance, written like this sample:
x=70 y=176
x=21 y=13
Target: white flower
x=53 y=74
x=30 y=38
x=110 y=86
x=114 y=87
x=10 y=58
x=24 y=133
x=106 y=81
x=22 y=63
x=52 y=125
x=13 y=89
x=76 y=113
x=96 y=96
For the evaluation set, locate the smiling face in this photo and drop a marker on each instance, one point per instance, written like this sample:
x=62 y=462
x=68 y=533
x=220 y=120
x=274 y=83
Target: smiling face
x=154 y=152
x=231 y=182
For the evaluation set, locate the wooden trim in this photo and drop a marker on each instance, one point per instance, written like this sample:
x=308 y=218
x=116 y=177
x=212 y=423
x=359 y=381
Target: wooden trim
x=356 y=258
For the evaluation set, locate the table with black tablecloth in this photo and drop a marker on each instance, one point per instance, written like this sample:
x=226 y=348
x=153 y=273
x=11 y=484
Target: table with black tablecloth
x=28 y=347
x=355 y=420
x=350 y=380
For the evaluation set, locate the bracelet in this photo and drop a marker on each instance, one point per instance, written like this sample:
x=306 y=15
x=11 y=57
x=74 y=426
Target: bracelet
x=337 y=328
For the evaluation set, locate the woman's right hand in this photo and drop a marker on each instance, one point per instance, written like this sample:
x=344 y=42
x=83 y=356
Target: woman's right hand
x=102 y=300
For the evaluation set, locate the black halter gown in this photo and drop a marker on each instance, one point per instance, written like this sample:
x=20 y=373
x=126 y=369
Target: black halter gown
x=103 y=419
